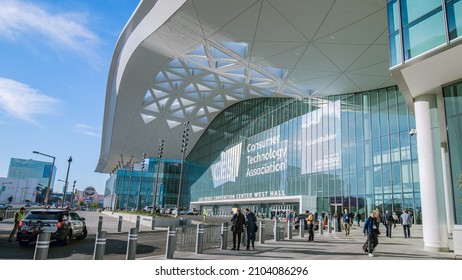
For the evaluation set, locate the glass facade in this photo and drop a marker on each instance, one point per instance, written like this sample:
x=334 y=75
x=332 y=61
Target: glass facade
x=415 y=26
x=453 y=106
x=129 y=183
x=346 y=151
x=27 y=168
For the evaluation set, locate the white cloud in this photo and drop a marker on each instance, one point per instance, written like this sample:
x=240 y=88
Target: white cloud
x=87 y=130
x=65 y=31
x=23 y=102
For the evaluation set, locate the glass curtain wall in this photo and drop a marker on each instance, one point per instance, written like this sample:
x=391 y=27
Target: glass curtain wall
x=415 y=26
x=453 y=107
x=347 y=151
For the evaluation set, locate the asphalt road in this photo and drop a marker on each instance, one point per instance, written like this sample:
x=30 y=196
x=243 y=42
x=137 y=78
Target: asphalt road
x=149 y=243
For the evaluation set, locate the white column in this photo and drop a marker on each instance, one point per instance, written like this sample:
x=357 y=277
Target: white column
x=435 y=234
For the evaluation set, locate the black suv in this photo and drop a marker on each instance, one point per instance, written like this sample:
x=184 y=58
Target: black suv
x=62 y=224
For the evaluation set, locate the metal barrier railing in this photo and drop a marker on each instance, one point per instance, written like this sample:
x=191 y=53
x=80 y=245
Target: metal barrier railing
x=185 y=237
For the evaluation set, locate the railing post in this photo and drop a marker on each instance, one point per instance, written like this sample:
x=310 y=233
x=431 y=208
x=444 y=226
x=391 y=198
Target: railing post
x=199 y=238
x=42 y=245
x=138 y=223
x=329 y=226
x=170 y=242
x=321 y=229
x=262 y=232
x=100 y=245
x=224 y=235
x=276 y=230
x=153 y=223
x=119 y=226
x=100 y=223
x=131 y=245
x=301 y=227
x=289 y=229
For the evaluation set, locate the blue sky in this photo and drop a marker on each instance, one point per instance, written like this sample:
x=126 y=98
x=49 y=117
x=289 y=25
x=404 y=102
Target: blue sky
x=54 y=64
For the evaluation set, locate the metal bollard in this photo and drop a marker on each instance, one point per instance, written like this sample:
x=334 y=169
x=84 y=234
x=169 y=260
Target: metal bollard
x=329 y=226
x=153 y=223
x=289 y=229
x=276 y=230
x=119 y=226
x=170 y=242
x=199 y=238
x=131 y=245
x=301 y=227
x=42 y=245
x=244 y=238
x=100 y=245
x=281 y=232
x=321 y=230
x=224 y=235
x=262 y=232
x=138 y=218
x=100 y=223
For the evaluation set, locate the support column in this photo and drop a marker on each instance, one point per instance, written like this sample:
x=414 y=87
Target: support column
x=435 y=234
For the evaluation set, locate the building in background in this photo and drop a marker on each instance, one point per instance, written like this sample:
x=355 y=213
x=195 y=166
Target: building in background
x=318 y=105
x=29 y=180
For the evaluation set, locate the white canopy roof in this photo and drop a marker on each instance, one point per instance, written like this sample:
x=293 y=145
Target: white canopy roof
x=179 y=60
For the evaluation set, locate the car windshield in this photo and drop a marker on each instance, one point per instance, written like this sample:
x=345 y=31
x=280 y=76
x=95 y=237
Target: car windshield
x=44 y=216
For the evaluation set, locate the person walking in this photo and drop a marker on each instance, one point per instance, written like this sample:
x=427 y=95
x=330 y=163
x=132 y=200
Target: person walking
x=237 y=227
x=395 y=219
x=251 y=224
x=406 y=222
x=388 y=222
x=346 y=218
x=379 y=217
x=370 y=230
x=18 y=216
x=310 y=225
x=358 y=219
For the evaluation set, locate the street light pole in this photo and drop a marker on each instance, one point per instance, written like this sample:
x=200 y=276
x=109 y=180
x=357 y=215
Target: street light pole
x=159 y=156
x=138 y=201
x=183 y=151
x=47 y=196
x=65 y=184
x=73 y=194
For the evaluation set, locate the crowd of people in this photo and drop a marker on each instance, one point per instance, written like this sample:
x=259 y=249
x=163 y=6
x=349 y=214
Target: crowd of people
x=343 y=221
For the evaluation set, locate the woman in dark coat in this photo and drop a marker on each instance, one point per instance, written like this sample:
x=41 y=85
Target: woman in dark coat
x=237 y=227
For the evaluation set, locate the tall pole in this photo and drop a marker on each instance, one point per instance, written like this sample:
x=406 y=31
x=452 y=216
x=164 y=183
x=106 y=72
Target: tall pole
x=129 y=186
x=159 y=156
x=73 y=194
x=138 y=201
x=65 y=184
x=47 y=196
x=183 y=151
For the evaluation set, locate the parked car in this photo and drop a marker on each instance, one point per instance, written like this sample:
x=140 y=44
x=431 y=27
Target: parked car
x=147 y=208
x=192 y=212
x=61 y=223
x=303 y=216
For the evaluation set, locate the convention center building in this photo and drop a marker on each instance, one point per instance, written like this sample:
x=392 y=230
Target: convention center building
x=288 y=106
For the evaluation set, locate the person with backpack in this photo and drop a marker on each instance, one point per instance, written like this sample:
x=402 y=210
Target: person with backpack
x=251 y=224
x=371 y=231
x=237 y=227
x=388 y=222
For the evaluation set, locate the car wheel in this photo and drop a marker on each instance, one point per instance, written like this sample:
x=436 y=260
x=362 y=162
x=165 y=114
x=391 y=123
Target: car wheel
x=84 y=234
x=67 y=239
x=23 y=243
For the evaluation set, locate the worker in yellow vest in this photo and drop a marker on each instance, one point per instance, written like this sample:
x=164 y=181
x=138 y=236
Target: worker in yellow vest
x=18 y=216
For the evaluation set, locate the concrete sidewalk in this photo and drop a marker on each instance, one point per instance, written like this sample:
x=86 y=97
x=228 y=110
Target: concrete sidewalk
x=328 y=246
